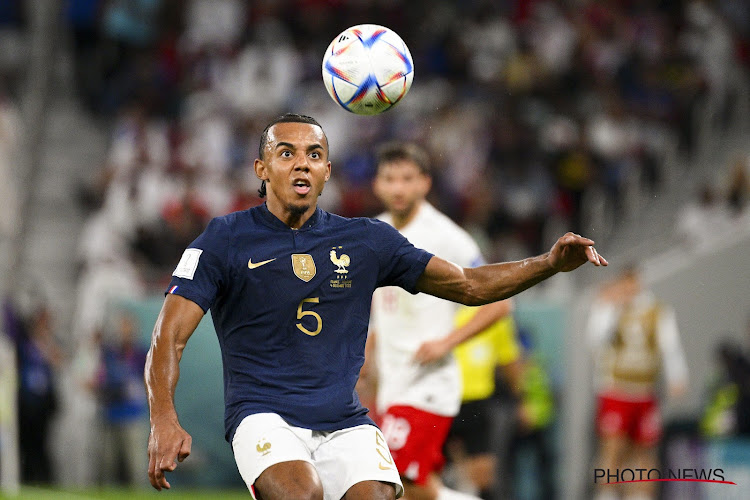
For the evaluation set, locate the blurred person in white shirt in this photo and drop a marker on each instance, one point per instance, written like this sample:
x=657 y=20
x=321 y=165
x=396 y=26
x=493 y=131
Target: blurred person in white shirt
x=411 y=338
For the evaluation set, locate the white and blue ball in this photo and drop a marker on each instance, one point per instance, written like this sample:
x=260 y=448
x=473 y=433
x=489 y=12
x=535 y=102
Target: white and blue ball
x=367 y=69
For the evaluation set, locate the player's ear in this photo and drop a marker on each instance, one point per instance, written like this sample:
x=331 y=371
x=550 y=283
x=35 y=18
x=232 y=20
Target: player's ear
x=376 y=186
x=328 y=171
x=426 y=184
x=260 y=169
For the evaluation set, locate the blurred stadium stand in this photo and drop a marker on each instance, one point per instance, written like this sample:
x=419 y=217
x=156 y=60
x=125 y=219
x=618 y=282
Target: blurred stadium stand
x=602 y=117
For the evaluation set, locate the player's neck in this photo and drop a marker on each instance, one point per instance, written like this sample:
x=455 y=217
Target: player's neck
x=403 y=219
x=293 y=216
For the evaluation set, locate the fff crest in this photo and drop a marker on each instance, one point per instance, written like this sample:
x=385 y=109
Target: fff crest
x=341 y=262
x=303 y=266
x=263 y=450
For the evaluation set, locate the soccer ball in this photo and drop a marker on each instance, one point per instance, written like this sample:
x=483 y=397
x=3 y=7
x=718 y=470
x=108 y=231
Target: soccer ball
x=367 y=69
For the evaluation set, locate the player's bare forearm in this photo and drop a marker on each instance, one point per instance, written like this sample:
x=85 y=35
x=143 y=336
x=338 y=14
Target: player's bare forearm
x=168 y=442
x=485 y=316
x=176 y=322
x=493 y=282
x=482 y=285
x=432 y=350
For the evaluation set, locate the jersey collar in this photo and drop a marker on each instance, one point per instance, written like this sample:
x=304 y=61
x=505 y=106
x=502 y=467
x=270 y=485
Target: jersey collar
x=276 y=223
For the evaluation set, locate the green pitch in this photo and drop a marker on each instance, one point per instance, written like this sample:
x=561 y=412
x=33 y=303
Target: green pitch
x=31 y=493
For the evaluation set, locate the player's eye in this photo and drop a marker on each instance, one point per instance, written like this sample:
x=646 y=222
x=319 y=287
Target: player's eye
x=315 y=155
x=286 y=154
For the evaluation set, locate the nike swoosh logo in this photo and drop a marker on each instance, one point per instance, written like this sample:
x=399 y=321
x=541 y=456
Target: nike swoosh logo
x=250 y=264
x=380 y=465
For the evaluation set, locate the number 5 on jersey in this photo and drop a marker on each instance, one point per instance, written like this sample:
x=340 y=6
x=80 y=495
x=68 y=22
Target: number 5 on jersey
x=301 y=313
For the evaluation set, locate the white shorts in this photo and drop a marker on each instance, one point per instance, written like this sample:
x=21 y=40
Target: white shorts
x=342 y=458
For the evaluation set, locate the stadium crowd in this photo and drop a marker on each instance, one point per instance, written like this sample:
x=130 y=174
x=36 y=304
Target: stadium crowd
x=527 y=107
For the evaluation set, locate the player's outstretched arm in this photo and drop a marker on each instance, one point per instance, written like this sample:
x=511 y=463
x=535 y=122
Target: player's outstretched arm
x=168 y=443
x=493 y=282
x=433 y=350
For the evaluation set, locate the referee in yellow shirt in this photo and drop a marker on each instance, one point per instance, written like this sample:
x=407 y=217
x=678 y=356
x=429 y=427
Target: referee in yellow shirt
x=470 y=444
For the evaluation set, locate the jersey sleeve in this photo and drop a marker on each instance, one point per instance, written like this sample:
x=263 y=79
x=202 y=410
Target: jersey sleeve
x=675 y=366
x=200 y=274
x=400 y=263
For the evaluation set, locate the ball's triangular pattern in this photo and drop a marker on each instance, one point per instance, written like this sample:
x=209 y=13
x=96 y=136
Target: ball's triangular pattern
x=367 y=69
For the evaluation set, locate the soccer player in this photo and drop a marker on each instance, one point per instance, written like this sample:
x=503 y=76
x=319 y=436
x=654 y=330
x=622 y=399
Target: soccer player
x=412 y=336
x=289 y=287
x=481 y=432
x=635 y=338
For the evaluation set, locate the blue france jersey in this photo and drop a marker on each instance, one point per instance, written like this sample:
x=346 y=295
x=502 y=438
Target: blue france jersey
x=291 y=309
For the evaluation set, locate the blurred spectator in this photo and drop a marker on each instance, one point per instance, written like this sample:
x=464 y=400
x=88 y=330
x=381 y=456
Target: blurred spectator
x=720 y=416
x=84 y=17
x=83 y=411
x=123 y=400
x=39 y=359
x=214 y=24
x=553 y=38
x=707 y=38
x=574 y=169
x=15 y=43
x=738 y=190
x=10 y=138
x=612 y=135
x=183 y=218
x=736 y=363
x=536 y=412
x=702 y=219
x=716 y=210
x=265 y=73
x=490 y=43
x=130 y=29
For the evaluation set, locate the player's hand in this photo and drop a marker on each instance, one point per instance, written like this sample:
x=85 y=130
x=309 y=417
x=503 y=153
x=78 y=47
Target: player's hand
x=432 y=350
x=571 y=251
x=168 y=444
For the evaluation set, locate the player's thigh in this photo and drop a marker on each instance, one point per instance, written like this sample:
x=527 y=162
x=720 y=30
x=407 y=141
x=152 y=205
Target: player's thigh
x=274 y=459
x=293 y=480
x=357 y=455
x=371 y=490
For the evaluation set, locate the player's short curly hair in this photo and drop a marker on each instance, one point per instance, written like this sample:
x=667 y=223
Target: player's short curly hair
x=397 y=150
x=285 y=118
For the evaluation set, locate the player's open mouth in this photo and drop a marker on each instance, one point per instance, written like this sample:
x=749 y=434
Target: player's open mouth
x=301 y=187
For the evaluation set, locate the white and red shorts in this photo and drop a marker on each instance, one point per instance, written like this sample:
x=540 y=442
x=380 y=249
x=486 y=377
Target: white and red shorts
x=639 y=419
x=416 y=440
